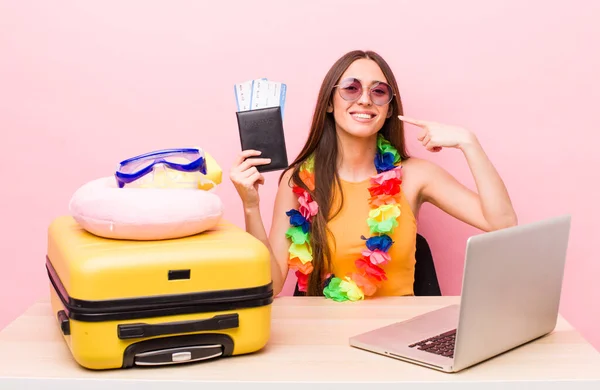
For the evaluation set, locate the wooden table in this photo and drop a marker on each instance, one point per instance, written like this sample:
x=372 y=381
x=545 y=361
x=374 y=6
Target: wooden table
x=309 y=343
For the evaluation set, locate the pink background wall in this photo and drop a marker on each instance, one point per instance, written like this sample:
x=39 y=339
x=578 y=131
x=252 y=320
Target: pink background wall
x=85 y=84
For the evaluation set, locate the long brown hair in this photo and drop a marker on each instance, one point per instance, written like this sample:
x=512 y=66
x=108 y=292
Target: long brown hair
x=322 y=142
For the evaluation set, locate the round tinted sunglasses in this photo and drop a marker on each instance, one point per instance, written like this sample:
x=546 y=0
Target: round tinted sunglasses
x=351 y=90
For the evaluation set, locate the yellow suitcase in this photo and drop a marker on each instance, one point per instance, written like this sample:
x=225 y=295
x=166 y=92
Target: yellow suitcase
x=122 y=303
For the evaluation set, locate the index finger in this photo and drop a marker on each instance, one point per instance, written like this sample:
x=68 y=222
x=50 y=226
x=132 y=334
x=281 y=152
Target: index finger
x=412 y=121
x=245 y=154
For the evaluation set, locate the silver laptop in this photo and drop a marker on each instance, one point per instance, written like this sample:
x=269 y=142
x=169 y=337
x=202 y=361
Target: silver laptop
x=510 y=295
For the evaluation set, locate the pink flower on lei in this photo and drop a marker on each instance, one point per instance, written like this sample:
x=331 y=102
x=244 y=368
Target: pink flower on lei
x=395 y=173
x=308 y=207
x=377 y=257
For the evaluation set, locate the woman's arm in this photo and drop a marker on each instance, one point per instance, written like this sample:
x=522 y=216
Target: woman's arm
x=277 y=242
x=247 y=179
x=488 y=209
x=255 y=226
x=285 y=200
x=495 y=203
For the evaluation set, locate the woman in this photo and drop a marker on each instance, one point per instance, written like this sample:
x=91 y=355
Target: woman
x=345 y=212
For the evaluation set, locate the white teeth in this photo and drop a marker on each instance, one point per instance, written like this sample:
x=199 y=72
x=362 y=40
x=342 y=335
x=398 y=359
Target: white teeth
x=364 y=116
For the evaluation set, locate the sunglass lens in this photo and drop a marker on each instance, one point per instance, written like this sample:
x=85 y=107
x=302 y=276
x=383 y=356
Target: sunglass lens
x=135 y=166
x=182 y=158
x=350 y=89
x=381 y=94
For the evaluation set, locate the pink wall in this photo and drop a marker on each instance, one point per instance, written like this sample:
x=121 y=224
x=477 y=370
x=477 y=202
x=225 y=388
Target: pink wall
x=83 y=85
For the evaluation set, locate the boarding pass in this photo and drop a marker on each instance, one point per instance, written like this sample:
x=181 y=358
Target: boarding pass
x=260 y=93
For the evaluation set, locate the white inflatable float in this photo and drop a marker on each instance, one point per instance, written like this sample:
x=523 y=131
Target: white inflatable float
x=163 y=203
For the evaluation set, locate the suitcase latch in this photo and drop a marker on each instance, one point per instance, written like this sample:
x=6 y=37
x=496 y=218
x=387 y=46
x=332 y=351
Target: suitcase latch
x=181 y=356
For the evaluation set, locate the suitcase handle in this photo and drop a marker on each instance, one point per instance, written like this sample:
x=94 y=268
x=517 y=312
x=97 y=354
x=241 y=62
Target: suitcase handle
x=137 y=330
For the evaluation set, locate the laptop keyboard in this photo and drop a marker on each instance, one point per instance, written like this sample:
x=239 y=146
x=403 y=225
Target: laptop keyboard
x=442 y=344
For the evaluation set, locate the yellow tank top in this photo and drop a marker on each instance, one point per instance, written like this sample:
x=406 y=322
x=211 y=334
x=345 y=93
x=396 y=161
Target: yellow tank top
x=351 y=222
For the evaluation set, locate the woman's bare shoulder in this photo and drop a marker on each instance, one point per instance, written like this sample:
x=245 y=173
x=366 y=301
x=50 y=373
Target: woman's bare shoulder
x=286 y=183
x=285 y=193
x=414 y=167
x=418 y=168
x=416 y=173
x=415 y=163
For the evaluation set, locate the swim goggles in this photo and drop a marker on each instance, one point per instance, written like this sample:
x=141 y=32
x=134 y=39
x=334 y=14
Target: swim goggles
x=183 y=160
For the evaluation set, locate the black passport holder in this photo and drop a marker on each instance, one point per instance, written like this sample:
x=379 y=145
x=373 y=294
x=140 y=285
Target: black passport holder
x=262 y=129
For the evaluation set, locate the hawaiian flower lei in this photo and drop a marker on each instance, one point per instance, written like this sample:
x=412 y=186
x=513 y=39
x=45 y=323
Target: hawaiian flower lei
x=382 y=220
